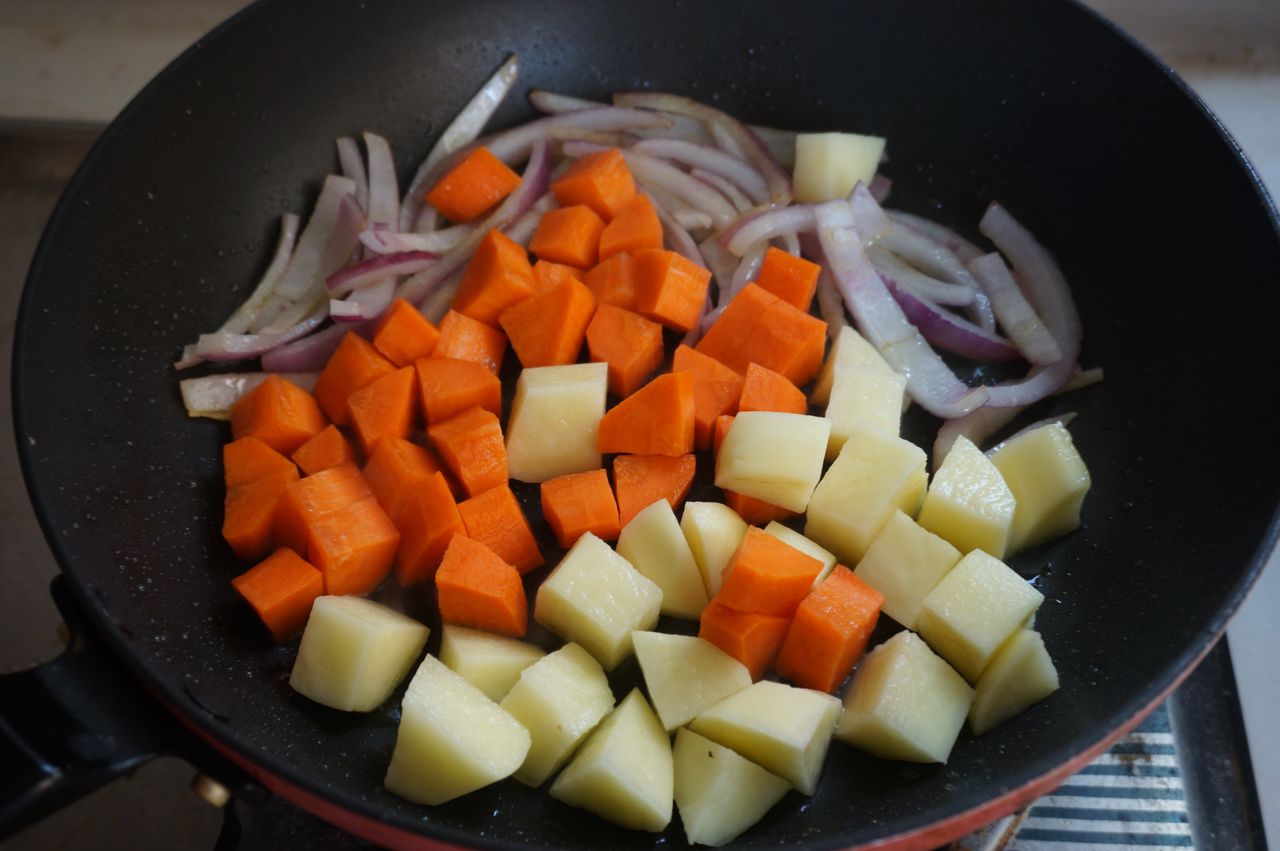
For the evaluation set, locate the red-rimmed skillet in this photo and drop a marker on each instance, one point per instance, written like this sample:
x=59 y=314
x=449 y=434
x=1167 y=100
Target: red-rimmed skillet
x=1161 y=226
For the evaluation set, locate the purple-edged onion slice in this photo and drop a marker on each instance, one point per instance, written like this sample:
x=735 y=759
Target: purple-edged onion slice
x=676 y=236
x=352 y=165
x=1015 y=313
x=366 y=303
x=378 y=268
x=383 y=209
x=949 y=332
x=892 y=269
x=741 y=174
x=383 y=241
x=954 y=242
x=761 y=225
x=740 y=202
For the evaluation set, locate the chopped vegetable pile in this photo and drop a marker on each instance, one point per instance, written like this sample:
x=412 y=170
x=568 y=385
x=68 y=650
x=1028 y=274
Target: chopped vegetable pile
x=688 y=303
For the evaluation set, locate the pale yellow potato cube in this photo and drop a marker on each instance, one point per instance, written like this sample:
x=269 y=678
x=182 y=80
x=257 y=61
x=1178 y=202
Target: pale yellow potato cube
x=829 y=165
x=905 y=563
x=491 y=663
x=354 y=652
x=1020 y=674
x=714 y=531
x=783 y=728
x=559 y=699
x=905 y=703
x=719 y=793
x=968 y=502
x=1048 y=479
x=773 y=456
x=624 y=772
x=656 y=546
x=555 y=416
x=850 y=349
x=596 y=598
x=452 y=739
x=970 y=613
x=875 y=473
x=862 y=395
x=794 y=539
x=685 y=674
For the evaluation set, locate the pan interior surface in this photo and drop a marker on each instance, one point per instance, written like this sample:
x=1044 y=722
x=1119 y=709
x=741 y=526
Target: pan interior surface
x=1169 y=244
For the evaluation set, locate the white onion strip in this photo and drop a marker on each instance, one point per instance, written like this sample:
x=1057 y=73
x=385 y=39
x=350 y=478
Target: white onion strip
x=322 y=248
x=383 y=209
x=740 y=202
x=436 y=242
x=738 y=172
x=1014 y=312
x=213 y=395
x=768 y=224
x=892 y=268
x=378 y=268
x=954 y=242
x=352 y=165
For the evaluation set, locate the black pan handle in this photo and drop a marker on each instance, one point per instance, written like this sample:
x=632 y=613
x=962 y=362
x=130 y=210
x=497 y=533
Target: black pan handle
x=79 y=721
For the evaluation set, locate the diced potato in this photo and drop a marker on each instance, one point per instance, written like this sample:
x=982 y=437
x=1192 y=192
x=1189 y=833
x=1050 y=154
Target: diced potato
x=794 y=539
x=1020 y=674
x=905 y=563
x=491 y=663
x=685 y=674
x=624 y=772
x=905 y=703
x=857 y=385
x=968 y=502
x=596 y=598
x=354 y=652
x=559 y=699
x=1048 y=479
x=655 y=545
x=773 y=456
x=874 y=473
x=554 y=419
x=850 y=349
x=452 y=739
x=829 y=165
x=973 y=609
x=783 y=728
x=719 y=793
x=713 y=531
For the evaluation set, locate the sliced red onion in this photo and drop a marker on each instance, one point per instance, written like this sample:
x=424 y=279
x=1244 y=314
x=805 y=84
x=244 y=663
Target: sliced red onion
x=927 y=255
x=522 y=228
x=598 y=137
x=352 y=165
x=781 y=144
x=790 y=243
x=948 y=331
x=955 y=243
x=830 y=306
x=245 y=315
x=754 y=150
x=892 y=269
x=722 y=265
x=384 y=193
x=366 y=303
x=513 y=145
x=980 y=312
x=762 y=225
x=653 y=172
x=748 y=268
x=1014 y=312
x=533 y=184
x=554 y=103
x=880 y=187
x=225 y=347
x=462 y=131
x=868 y=217
x=436 y=242
x=692 y=220
x=726 y=141
x=740 y=202
x=313 y=352
x=738 y=172
x=677 y=236
x=214 y=395
x=326 y=243
x=929 y=380
x=438 y=303
x=378 y=268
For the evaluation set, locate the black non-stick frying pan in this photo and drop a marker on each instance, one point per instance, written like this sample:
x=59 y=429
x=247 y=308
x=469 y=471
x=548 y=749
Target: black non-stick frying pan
x=1166 y=235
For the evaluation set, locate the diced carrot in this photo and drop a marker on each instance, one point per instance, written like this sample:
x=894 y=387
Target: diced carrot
x=766 y=390
x=429 y=521
x=830 y=631
x=721 y=429
x=495 y=519
x=448 y=387
x=327 y=449
x=767 y=576
x=475 y=184
x=759 y=327
x=635 y=228
x=577 y=503
x=670 y=288
x=547 y=274
x=641 y=480
x=470 y=445
x=395 y=470
x=476 y=588
x=602 y=181
x=384 y=408
x=755 y=511
x=354 y=364
x=751 y=638
x=307 y=500
x=464 y=338
x=729 y=339
x=497 y=276
x=630 y=344
x=248 y=459
x=716 y=390
x=569 y=235
x=548 y=329
x=655 y=420
x=403 y=334
x=353 y=548
x=612 y=281
x=792 y=279
x=281 y=589
x=279 y=413
x=248 y=523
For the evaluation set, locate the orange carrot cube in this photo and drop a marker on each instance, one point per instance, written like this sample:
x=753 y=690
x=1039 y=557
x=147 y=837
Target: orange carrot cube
x=327 y=449
x=476 y=588
x=766 y=390
x=792 y=279
x=641 y=480
x=307 y=500
x=630 y=344
x=830 y=631
x=548 y=329
x=751 y=638
x=249 y=517
x=464 y=338
x=429 y=521
x=547 y=274
x=655 y=420
x=635 y=228
x=569 y=235
x=601 y=181
x=353 y=548
x=612 y=281
x=716 y=390
x=248 y=459
x=471 y=447
x=395 y=470
x=384 y=408
x=403 y=334
x=279 y=413
x=495 y=519
x=448 y=387
x=281 y=589
x=670 y=288
x=354 y=364
x=479 y=181
x=578 y=503
x=767 y=576
x=497 y=276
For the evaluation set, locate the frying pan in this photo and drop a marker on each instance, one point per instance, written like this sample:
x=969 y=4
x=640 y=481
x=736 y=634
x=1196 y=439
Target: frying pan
x=1165 y=232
